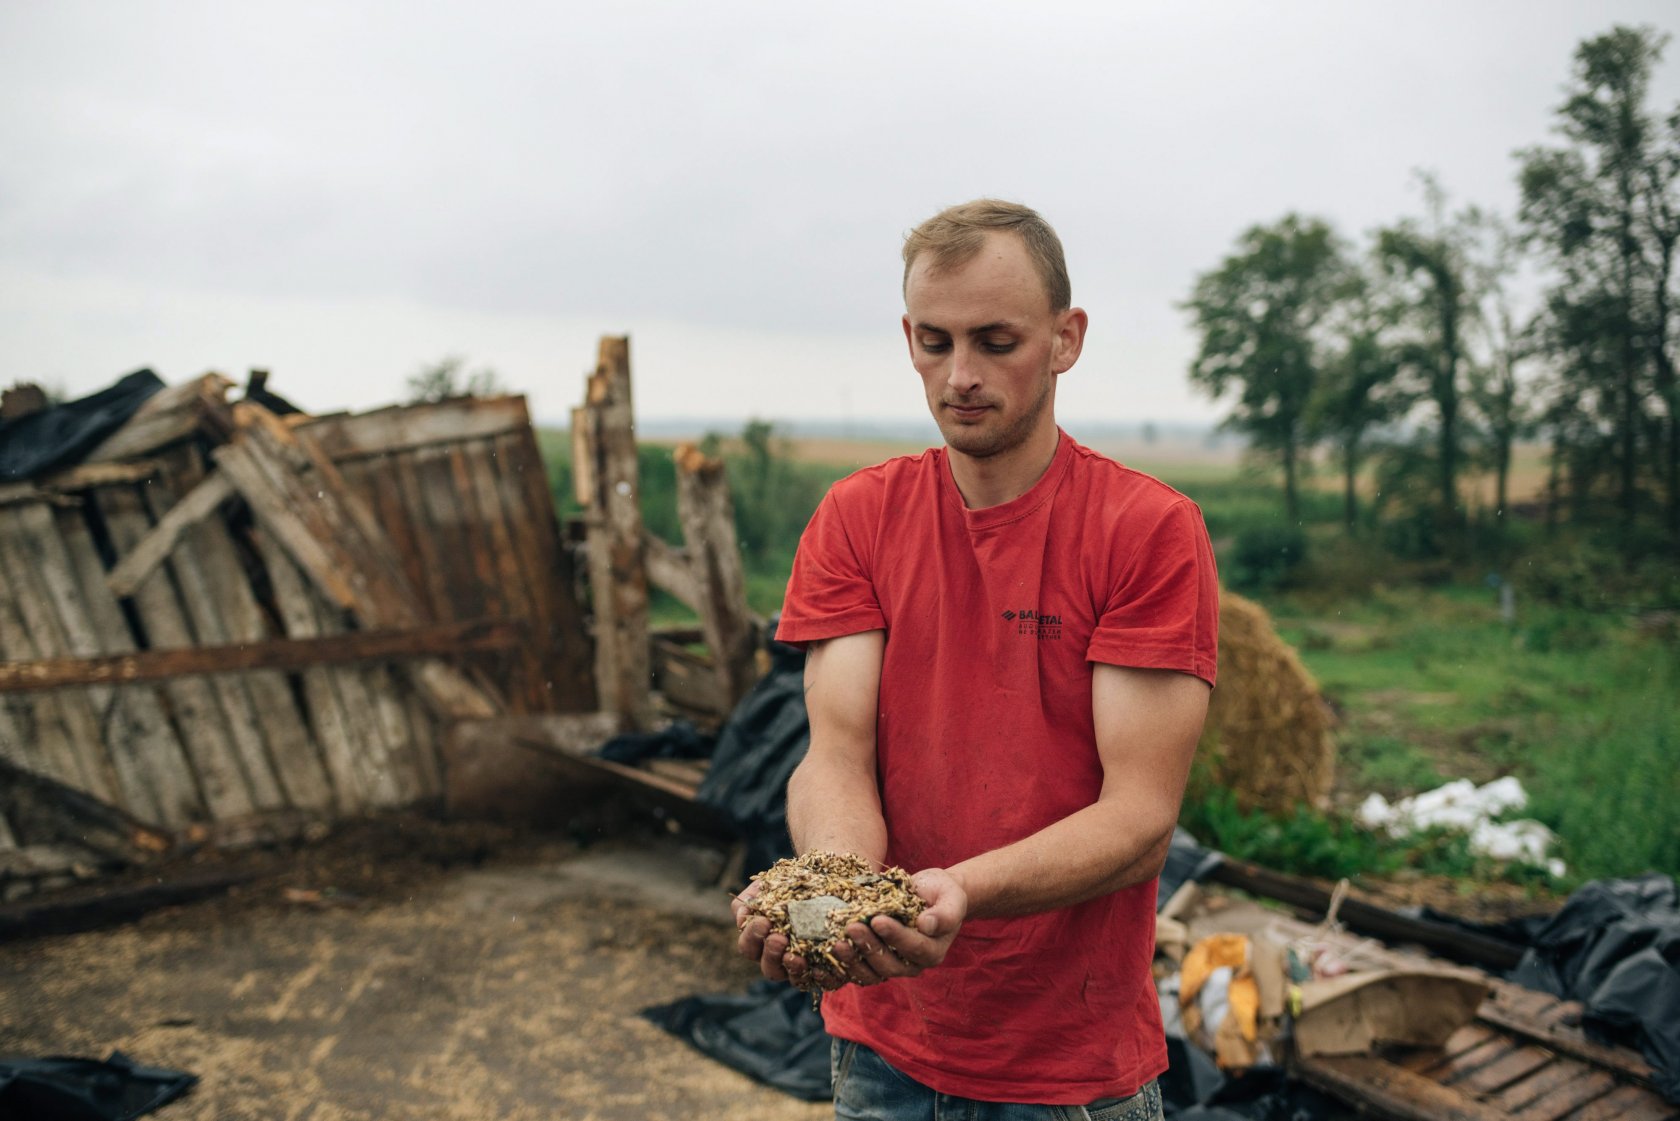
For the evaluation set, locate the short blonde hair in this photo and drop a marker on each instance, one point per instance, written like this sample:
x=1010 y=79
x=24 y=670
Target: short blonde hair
x=957 y=233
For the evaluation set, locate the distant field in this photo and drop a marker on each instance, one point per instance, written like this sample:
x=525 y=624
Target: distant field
x=1181 y=461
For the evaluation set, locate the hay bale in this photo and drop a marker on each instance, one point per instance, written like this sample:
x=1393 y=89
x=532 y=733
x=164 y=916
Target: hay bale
x=1267 y=737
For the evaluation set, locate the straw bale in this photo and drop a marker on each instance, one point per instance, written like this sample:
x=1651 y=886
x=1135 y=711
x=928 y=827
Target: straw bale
x=1268 y=730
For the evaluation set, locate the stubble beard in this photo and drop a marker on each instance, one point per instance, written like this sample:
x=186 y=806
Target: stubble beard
x=982 y=441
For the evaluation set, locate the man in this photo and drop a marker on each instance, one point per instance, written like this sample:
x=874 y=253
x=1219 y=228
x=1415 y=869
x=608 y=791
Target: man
x=1011 y=642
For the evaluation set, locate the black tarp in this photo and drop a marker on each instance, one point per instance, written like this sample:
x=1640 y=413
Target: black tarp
x=1615 y=947
x=61 y=1088
x=770 y=1032
x=61 y=435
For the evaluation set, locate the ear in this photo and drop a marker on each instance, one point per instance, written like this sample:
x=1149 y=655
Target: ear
x=909 y=341
x=1070 y=339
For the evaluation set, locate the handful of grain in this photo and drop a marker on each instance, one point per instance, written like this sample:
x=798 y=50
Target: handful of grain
x=813 y=898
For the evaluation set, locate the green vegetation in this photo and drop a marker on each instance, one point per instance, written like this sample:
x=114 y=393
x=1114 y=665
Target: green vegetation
x=1409 y=359
x=1574 y=694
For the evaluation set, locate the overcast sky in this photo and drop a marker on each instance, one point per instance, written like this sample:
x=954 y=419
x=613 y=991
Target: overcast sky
x=343 y=192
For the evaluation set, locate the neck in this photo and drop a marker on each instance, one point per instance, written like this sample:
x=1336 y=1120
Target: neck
x=996 y=479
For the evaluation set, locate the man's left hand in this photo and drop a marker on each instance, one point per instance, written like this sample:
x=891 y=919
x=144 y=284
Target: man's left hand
x=886 y=948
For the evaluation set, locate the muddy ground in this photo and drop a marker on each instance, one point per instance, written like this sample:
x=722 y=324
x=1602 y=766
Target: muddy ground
x=417 y=970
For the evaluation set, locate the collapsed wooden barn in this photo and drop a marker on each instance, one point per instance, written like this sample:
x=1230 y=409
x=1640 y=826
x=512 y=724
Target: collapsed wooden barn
x=224 y=620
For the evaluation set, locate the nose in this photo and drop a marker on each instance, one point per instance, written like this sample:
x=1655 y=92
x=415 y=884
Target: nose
x=964 y=374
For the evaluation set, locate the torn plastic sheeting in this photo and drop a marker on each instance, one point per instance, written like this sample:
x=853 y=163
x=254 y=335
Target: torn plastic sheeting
x=1464 y=807
x=770 y=1033
x=758 y=747
x=62 y=1088
x=61 y=435
x=1615 y=947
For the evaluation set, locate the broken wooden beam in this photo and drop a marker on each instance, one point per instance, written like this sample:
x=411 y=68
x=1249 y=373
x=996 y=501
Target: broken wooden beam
x=434 y=640
x=1390 y=1091
x=168 y=416
x=604 y=435
x=200 y=503
x=43 y=811
x=1449 y=941
x=89 y=908
x=707 y=514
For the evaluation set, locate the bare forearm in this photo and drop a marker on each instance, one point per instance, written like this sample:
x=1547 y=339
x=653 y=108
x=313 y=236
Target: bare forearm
x=1100 y=849
x=837 y=808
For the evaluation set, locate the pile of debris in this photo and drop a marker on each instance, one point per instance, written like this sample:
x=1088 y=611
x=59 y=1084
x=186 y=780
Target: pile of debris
x=220 y=616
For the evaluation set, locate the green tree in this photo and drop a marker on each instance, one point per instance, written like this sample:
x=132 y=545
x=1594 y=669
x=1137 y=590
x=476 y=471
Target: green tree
x=1430 y=261
x=1261 y=314
x=449 y=377
x=1506 y=343
x=1603 y=209
x=1360 y=390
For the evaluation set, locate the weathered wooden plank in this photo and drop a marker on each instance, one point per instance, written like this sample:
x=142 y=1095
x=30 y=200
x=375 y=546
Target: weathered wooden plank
x=426 y=537
x=407 y=427
x=408 y=765
x=294 y=757
x=512 y=597
x=1541 y=1084
x=444 y=515
x=1389 y=1090
x=295 y=602
x=91 y=908
x=171 y=414
x=42 y=810
x=199 y=723
x=301 y=496
x=1542 y=1024
x=686 y=680
x=1567 y=1098
x=617 y=576
x=86 y=476
x=668 y=569
x=32 y=733
x=1626 y=1103
x=707 y=514
x=138 y=733
x=1461 y=1066
x=562 y=642
x=210 y=598
x=40 y=591
x=282 y=654
x=1513 y=1066
x=199 y=504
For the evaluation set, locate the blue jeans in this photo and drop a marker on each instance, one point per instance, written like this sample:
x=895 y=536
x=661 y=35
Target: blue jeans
x=868 y=1088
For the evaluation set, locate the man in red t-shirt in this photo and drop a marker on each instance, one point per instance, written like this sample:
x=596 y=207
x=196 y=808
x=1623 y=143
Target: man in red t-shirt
x=1010 y=645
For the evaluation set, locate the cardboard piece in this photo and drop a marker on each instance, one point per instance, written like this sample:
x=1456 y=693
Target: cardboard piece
x=1356 y=1012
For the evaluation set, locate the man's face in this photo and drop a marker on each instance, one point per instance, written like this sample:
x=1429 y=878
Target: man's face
x=988 y=347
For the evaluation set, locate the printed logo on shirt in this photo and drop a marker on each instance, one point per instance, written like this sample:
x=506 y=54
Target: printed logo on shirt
x=1040 y=624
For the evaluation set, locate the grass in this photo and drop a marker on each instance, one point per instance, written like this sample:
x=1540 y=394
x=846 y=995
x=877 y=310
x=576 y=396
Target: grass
x=1432 y=684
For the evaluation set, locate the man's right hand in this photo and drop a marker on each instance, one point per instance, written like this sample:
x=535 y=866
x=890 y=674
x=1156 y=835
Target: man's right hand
x=756 y=942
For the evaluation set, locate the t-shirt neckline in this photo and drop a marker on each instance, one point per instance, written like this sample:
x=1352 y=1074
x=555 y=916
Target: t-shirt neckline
x=1021 y=505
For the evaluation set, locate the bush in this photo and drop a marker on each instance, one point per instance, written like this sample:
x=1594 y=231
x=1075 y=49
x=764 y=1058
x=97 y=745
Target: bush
x=1265 y=557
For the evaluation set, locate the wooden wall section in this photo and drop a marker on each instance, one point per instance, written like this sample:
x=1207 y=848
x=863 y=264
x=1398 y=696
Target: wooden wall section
x=223 y=681
x=460 y=490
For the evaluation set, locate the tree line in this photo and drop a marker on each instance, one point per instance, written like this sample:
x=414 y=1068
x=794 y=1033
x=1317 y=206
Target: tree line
x=1419 y=355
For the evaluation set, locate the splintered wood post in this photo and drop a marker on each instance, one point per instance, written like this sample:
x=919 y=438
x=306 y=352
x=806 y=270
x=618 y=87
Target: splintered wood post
x=714 y=555
x=605 y=432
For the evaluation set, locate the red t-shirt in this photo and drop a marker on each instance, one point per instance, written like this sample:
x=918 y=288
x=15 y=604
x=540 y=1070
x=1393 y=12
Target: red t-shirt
x=985 y=735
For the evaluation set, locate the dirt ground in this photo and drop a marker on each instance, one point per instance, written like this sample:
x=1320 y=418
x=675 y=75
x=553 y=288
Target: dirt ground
x=416 y=970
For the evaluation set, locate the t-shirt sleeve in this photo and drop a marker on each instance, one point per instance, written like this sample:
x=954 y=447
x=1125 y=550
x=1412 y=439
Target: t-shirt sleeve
x=830 y=592
x=1162 y=610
